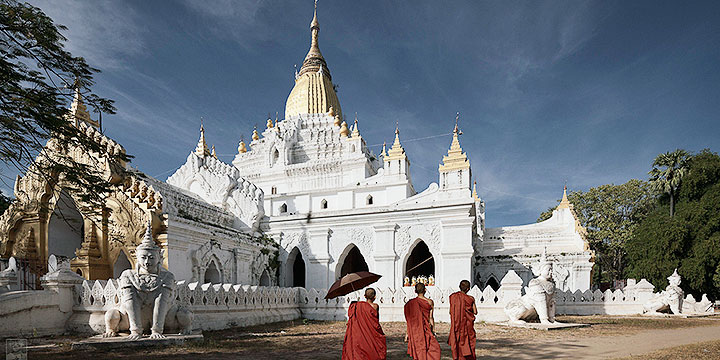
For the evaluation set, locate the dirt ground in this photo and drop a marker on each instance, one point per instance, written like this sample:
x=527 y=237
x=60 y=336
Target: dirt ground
x=608 y=337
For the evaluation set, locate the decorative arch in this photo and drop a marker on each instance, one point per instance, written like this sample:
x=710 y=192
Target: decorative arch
x=283 y=208
x=350 y=260
x=274 y=156
x=419 y=261
x=213 y=272
x=65 y=227
x=295 y=269
x=492 y=282
x=265 y=278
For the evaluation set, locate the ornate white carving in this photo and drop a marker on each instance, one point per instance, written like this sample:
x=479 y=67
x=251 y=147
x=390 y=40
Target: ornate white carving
x=362 y=237
x=203 y=256
x=407 y=234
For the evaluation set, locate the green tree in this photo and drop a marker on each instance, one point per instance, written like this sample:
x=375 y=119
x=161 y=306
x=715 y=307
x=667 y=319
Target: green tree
x=667 y=173
x=38 y=79
x=610 y=213
x=689 y=240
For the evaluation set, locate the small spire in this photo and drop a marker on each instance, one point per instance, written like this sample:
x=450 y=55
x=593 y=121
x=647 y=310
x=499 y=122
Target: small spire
x=382 y=153
x=337 y=120
x=396 y=152
x=474 y=192
x=269 y=122
x=213 y=152
x=564 y=203
x=201 y=149
x=455 y=159
x=241 y=147
x=331 y=112
x=255 y=135
x=356 y=130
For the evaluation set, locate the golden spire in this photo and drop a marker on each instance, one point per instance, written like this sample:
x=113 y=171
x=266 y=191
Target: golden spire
x=269 y=122
x=201 y=149
x=474 y=192
x=255 y=135
x=331 y=112
x=564 y=203
x=455 y=159
x=314 y=92
x=344 y=129
x=213 y=152
x=382 y=152
x=337 y=120
x=242 y=148
x=396 y=152
x=356 y=131
x=78 y=110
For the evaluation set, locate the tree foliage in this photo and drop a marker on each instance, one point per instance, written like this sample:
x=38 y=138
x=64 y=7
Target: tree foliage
x=38 y=79
x=689 y=240
x=668 y=170
x=611 y=214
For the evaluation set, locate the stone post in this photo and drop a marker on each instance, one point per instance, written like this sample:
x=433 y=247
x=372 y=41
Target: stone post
x=643 y=291
x=61 y=282
x=9 y=278
x=510 y=287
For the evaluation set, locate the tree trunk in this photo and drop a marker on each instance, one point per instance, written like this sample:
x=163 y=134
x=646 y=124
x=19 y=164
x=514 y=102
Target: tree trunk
x=672 y=204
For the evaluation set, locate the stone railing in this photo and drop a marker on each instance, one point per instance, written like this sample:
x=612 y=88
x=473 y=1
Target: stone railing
x=215 y=306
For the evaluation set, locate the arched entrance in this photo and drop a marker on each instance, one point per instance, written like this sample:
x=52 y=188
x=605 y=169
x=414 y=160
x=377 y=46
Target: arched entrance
x=295 y=269
x=121 y=264
x=420 y=262
x=264 y=279
x=65 y=228
x=493 y=283
x=212 y=274
x=352 y=262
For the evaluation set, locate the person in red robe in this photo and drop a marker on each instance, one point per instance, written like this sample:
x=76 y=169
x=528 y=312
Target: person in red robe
x=364 y=338
x=422 y=344
x=462 y=323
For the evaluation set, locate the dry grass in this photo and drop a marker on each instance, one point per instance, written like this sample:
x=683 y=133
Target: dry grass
x=302 y=339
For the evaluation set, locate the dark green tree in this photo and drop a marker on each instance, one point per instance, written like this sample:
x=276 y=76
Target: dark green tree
x=610 y=213
x=38 y=79
x=667 y=173
x=689 y=240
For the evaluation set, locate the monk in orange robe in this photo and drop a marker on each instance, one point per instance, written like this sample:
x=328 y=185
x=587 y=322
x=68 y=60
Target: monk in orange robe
x=462 y=323
x=422 y=344
x=364 y=338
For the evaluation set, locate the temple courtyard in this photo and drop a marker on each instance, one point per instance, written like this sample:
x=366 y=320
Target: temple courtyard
x=608 y=337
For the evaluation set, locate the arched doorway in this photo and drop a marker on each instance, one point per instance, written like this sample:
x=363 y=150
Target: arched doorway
x=493 y=283
x=296 y=269
x=65 y=228
x=212 y=274
x=353 y=262
x=264 y=279
x=420 y=262
x=121 y=264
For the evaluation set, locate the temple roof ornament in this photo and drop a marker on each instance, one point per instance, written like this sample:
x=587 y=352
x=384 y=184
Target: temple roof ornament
x=78 y=111
x=474 y=192
x=269 y=122
x=456 y=159
x=344 y=129
x=314 y=92
x=564 y=203
x=356 y=131
x=255 y=135
x=396 y=152
x=242 y=148
x=337 y=121
x=382 y=152
x=201 y=149
x=213 y=152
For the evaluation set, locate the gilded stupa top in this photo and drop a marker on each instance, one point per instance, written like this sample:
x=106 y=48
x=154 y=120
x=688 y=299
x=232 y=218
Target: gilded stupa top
x=396 y=152
x=456 y=159
x=564 y=203
x=314 y=92
x=202 y=149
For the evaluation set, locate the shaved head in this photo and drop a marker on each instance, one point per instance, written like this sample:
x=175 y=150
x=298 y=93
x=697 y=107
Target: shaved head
x=465 y=286
x=370 y=294
x=419 y=288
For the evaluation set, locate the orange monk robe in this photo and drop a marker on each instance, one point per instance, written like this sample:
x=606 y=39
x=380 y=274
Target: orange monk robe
x=422 y=344
x=462 y=329
x=364 y=338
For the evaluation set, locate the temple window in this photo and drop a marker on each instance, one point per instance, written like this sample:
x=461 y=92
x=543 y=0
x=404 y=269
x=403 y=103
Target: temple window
x=283 y=208
x=369 y=200
x=323 y=204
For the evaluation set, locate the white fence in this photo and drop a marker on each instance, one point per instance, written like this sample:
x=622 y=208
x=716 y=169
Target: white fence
x=70 y=304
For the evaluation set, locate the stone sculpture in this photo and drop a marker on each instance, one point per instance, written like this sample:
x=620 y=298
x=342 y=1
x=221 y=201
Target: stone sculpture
x=670 y=299
x=146 y=294
x=539 y=299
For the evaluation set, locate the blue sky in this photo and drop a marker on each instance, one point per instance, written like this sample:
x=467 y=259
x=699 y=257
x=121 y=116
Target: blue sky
x=548 y=91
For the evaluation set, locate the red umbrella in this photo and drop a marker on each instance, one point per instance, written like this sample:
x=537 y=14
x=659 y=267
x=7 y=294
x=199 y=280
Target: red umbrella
x=350 y=283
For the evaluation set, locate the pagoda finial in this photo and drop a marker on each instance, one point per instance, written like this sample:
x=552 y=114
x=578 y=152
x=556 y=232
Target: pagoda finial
x=564 y=203
x=455 y=158
x=382 y=153
x=474 y=192
x=255 y=135
x=396 y=152
x=201 y=149
x=356 y=130
x=213 y=152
